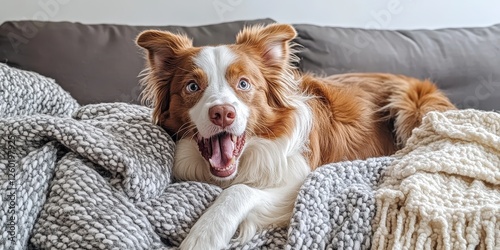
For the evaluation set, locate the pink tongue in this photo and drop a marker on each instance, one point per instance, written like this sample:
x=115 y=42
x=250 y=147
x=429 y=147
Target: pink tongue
x=222 y=151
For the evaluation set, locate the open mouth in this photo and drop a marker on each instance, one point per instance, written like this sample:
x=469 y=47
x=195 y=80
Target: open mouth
x=222 y=152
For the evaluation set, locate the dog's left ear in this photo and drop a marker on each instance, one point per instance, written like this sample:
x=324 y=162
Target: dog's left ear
x=272 y=42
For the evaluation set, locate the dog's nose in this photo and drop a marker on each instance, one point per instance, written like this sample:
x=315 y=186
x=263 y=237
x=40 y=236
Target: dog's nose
x=222 y=115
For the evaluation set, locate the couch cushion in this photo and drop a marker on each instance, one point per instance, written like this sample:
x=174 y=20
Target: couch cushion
x=95 y=63
x=464 y=62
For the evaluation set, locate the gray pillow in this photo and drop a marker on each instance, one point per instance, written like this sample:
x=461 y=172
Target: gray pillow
x=464 y=62
x=95 y=63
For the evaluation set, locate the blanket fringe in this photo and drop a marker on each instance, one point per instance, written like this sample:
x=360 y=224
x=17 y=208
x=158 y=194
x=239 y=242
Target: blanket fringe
x=400 y=228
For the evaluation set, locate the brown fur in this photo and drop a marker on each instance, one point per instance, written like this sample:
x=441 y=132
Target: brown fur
x=267 y=121
x=355 y=116
x=170 y=66
x=273 y=111
x=366 y=115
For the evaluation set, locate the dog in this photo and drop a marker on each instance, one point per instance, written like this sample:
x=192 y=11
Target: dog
x=245 y=119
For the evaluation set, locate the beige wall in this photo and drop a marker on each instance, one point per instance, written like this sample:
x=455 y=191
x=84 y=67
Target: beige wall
x=391 y=14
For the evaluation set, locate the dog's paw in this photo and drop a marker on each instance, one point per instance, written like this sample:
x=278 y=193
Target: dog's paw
x=247 y=230
x=205 y=240
x=193 y=243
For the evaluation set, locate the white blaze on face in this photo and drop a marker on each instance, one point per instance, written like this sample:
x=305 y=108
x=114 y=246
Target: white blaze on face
x=214 y=61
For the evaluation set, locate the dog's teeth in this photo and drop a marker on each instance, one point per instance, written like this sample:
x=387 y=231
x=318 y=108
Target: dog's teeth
x=233 y=138
x=230 y=165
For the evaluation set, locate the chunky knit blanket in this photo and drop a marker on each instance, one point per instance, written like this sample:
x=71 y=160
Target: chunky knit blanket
x=98 y=177
x=443 y=190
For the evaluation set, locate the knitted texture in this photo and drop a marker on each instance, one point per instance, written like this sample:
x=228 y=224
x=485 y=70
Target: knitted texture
x=443 y=190
x=101 y=179
x=18 y=87
x=336 y=205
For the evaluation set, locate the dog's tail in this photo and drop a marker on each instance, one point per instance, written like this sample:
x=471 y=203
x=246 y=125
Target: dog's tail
x=409 y=101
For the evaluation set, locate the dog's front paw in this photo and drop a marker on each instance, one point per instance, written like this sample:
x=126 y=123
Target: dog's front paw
x=192 y=243
x=247 y=230
x=198 y=239
x=215 y=228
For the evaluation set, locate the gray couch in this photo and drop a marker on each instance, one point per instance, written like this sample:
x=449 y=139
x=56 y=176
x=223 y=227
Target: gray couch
x=100 y=63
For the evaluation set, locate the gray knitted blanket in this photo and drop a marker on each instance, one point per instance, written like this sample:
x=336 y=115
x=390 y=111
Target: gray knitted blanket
x=98 y=177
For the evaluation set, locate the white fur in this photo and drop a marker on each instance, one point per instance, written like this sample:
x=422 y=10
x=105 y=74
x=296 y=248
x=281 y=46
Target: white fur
x=270 y=172
x=214 y=62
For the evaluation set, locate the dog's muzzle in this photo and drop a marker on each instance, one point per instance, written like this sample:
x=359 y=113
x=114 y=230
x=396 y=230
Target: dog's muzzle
x=222 y=152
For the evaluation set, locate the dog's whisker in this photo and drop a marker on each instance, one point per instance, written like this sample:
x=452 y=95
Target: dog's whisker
x=185 y=127
x=194 y=134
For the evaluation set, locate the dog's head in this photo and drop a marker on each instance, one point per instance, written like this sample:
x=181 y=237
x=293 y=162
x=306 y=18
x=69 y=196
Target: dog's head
x=220 y=96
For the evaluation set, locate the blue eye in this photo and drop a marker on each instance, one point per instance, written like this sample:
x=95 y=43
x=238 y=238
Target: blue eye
x=192 y=87
x=244 y=85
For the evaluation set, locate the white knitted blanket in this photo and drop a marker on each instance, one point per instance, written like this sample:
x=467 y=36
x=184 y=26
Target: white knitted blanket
x=443 y=189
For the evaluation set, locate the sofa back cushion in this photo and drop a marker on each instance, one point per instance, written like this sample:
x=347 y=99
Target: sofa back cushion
x=95 y=63
x=101 y=63
x=464 y=62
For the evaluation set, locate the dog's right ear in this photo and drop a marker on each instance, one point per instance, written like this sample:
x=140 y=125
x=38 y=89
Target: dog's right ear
x=162 y=45
x=163 y=48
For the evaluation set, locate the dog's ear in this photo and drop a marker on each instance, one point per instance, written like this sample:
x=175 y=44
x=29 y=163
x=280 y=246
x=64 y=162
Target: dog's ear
x=162 y=50
x=272 y=42
x=273 y=45
x=162 y=45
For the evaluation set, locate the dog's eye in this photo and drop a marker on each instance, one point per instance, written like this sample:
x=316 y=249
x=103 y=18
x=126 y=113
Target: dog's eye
x=244 y=85
x=192 y=87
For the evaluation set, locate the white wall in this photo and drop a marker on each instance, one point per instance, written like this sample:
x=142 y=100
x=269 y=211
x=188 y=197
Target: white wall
x=391 y=14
